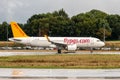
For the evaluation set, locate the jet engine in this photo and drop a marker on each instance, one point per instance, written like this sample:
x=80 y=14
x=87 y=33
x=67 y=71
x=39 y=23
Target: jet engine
x=71 y=47
x=52 y=46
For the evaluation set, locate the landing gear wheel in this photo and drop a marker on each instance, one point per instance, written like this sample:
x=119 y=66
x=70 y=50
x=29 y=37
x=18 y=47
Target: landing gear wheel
x=59 y=51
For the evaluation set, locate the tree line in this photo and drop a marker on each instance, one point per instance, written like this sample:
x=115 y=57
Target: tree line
x=90 y=24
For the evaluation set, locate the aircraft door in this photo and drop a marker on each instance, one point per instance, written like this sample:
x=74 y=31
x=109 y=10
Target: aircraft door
x=28 y=42
x=92 y=43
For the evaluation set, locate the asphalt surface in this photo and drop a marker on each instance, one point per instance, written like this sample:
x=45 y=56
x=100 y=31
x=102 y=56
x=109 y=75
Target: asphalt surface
x=49 y=52
x=59 y=74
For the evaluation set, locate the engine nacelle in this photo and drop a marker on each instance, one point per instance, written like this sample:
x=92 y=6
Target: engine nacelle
x=52 y=46
x=72 y=47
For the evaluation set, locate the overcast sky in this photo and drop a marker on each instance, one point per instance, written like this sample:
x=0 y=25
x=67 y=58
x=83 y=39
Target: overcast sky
x=21 y=10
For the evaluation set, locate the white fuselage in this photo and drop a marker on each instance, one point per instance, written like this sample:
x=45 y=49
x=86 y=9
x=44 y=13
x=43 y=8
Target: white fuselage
x=43 y=42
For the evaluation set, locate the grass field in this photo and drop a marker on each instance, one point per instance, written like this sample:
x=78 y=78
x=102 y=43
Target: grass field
x=80 y=61
x=112 y=44
x=8 y=43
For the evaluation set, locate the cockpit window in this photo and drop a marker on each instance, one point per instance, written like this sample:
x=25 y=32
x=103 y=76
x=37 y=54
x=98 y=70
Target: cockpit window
x=98 y=40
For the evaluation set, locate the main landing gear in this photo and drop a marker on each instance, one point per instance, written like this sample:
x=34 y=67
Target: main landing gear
x=59 y=51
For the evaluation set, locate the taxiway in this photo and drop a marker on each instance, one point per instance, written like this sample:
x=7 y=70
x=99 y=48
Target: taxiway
x=49 y=52
x=59 y=74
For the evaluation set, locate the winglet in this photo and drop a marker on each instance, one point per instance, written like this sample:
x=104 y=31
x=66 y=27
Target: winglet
x=17 y=31
x=47 y=38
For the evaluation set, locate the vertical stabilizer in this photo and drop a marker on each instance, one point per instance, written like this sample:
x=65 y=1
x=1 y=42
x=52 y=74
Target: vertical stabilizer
x=17 y=31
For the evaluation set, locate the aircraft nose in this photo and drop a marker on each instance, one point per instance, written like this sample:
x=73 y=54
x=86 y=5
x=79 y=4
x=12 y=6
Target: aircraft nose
x=102 y=44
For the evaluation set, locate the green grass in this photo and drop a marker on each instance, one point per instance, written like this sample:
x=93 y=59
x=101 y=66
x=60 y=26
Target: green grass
x=77 y=61
x=112 y=44
x=10 y=44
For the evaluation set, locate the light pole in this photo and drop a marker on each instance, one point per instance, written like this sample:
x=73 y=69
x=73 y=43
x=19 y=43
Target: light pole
x=104 y=33
x=7 y=35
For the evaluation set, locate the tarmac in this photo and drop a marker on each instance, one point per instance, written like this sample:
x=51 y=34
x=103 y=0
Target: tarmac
x=59 y=74
x=50 y=52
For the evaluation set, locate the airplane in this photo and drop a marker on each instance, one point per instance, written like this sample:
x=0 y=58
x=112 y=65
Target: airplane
x=68 y=43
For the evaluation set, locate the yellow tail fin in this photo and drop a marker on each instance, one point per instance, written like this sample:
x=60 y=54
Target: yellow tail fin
x=17 y=31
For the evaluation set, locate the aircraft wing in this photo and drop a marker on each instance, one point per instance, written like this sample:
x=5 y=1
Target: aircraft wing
x=56 y=43
x=62 y=45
